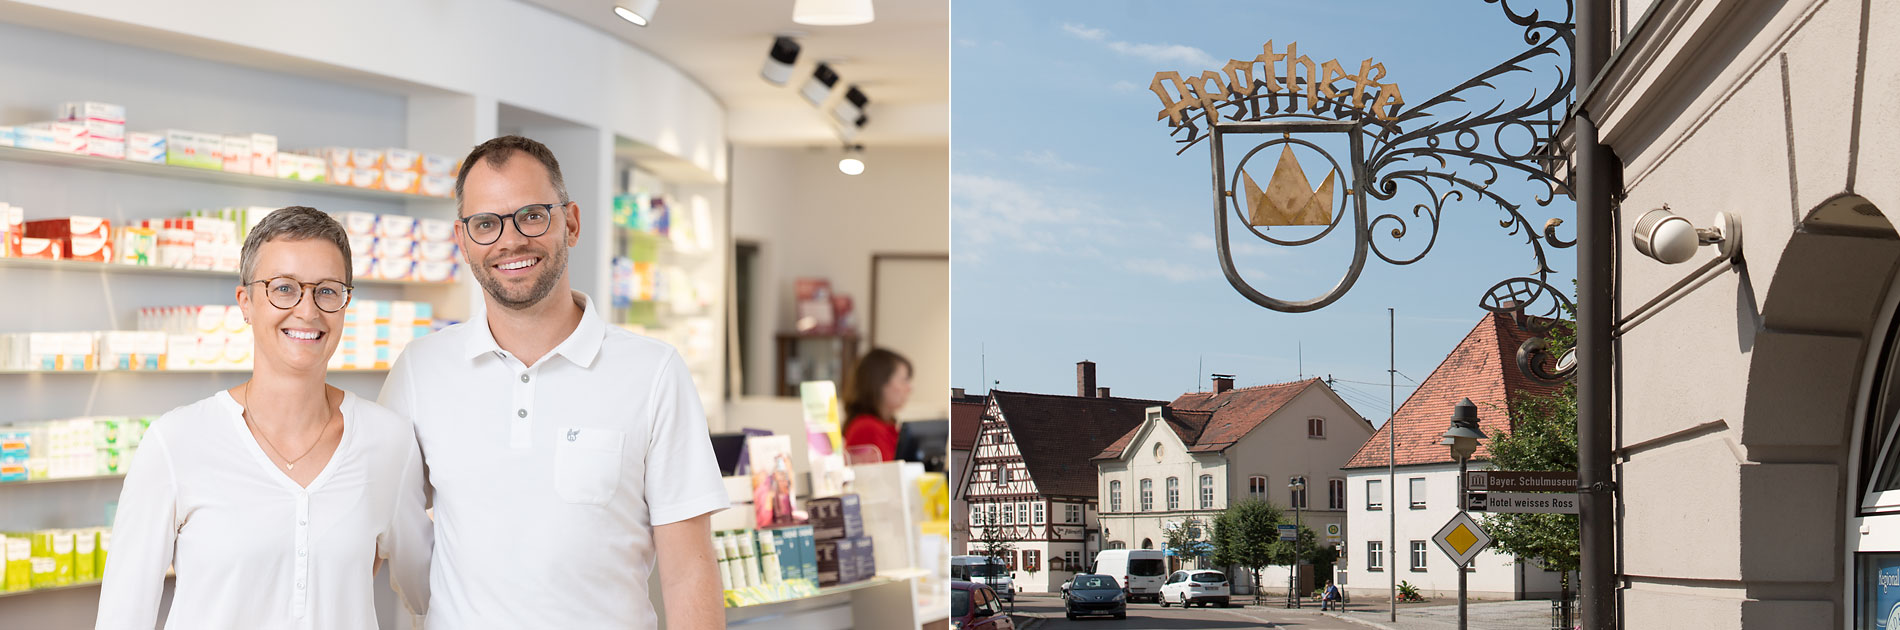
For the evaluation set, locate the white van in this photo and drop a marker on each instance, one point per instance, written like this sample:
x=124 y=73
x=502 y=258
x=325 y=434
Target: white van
x=984 y=570
x=1139 y=571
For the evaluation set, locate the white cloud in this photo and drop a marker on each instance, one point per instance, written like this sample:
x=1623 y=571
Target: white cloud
x=1171 y=270
x=1049 y=160
x=1125 y=86
x=1084 y=32
x=1156 y=53
x=968 y=43
x=995 y=213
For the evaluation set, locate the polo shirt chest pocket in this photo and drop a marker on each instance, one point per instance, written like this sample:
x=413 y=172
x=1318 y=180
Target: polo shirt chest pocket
x=587 y=464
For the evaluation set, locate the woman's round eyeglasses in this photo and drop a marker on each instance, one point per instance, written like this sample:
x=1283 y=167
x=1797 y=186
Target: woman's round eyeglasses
x=286 y=293
x=530 y=220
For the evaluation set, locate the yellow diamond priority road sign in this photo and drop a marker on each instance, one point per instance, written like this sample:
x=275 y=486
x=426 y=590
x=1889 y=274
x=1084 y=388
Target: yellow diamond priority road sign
x=1462 y=539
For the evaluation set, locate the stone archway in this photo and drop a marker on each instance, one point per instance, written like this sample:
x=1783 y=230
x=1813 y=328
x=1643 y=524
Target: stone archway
x=1808 y=351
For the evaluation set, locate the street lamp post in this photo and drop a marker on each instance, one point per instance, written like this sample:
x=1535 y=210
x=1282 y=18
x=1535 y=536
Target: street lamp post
x=1463 y=439
x=1298 y=484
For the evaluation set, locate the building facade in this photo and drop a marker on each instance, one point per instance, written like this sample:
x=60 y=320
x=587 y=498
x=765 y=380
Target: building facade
x=966 y=418
x=1032 y=487
x=1755 y=414
x=1189 y=460
x=1393 y=518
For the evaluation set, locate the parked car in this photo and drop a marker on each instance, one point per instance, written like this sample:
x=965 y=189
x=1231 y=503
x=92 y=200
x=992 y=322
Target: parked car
x=986 y=570
x=1195 y=587
x=1139 y=571
x=1090 y=594
x=974 y=606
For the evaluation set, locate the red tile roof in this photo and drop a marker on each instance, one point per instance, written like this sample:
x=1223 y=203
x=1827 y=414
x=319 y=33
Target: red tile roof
x=966 y=418
x=1238 y=411
x=1483 y=367
x=1057 y=435
x=1186 y=424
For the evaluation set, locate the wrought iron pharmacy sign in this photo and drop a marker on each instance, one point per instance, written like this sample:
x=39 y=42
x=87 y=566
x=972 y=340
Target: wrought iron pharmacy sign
x=1368 y=145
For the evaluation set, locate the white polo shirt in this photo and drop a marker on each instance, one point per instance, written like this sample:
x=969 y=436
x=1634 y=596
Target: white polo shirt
x=548 y=479
x=253 y=549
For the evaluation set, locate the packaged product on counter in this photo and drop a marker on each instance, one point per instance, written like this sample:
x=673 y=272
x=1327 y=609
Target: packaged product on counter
x=836 y=517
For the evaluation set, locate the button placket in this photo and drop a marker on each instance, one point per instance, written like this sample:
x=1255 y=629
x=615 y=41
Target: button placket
x=300 y=593
x=521 y=426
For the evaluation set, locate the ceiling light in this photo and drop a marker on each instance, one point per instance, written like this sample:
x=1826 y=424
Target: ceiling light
x=851 y=108
x=778 y=62
x=850 y=131
x=832 y=12
x=639 y=12
x=853 y=163
x=818 y=89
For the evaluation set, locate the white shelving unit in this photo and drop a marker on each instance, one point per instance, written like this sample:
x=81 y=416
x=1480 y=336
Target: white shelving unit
x=221 y=79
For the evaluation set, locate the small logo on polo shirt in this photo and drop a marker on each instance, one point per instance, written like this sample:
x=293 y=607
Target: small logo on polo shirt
x=573 y=434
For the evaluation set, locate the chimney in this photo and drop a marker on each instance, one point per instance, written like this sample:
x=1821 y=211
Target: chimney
x=1085 y=379
x=956 y=394
x=1101 y=392
x=1223 y=383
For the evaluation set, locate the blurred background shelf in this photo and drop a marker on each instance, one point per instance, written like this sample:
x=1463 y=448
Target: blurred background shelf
x=32 y=156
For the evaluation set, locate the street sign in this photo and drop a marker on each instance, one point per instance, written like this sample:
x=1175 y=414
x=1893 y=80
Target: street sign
x=1520 y=481
x=1462 y=539
x=1522 y=502
x=1289 y=532
x=1332 y=532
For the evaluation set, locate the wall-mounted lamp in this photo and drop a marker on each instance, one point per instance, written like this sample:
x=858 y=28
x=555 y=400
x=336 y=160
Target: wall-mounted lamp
x=779 y=60
x=1671 y=239
x=818 y=89
x=639 y=12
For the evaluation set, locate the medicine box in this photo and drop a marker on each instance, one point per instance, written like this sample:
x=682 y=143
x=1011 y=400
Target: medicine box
x=194 y=149
x=836 y=517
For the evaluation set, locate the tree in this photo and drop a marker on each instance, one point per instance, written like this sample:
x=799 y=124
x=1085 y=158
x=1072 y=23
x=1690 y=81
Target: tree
x=1543 y=437
x=1244 y=536
x=998 y=543
x=1184 y=539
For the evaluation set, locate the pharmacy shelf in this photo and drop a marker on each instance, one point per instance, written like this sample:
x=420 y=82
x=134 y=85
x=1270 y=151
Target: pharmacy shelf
x=240 y=370
x=14 y=154
x=68 y=587
x=80 y=265
x=9 y=484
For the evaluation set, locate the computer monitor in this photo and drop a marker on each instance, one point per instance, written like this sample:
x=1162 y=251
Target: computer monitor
x=728 y=448
x=926 y=441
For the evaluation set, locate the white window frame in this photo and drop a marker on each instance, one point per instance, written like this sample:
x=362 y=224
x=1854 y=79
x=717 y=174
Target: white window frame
x=1002 y=473
x=1174 y=493
x=1420 y=556
x=1375 y=495
x=976 y=517
x=1207 y=492
x=1147 y=495
x=1071 y=513
x=1417 y=489
x=1115 y=495
x=1257 y=487
x=1375 y=555
x=1022 y=513
x=1009 y=514
x=1040 y=519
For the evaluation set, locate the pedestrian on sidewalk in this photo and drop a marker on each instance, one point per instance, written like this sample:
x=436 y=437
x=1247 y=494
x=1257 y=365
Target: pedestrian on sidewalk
x=1329 y=600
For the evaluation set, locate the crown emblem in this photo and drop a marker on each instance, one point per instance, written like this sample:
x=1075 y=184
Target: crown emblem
x=1289 y=199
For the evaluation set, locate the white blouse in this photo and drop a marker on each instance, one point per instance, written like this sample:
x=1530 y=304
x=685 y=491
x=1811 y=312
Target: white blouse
x=251 y=548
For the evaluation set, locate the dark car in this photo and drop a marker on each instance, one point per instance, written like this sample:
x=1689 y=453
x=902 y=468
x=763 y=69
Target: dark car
x=975 y=607
x=1090 y=594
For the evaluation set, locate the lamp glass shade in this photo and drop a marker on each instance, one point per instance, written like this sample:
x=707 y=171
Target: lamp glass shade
x=851 y=166
x=832 y=12
x=639 y=12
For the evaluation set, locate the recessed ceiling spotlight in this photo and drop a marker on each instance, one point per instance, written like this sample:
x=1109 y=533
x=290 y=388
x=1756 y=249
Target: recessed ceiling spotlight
x=851 y=108
x=853 y=162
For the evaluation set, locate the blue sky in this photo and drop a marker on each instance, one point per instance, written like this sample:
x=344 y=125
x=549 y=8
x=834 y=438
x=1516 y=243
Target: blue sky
x=1077 y=233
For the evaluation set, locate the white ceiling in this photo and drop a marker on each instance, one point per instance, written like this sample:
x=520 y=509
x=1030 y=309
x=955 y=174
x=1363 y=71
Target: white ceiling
x=901 y=61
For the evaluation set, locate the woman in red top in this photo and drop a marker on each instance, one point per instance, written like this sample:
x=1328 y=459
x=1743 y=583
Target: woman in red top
x=878 y=388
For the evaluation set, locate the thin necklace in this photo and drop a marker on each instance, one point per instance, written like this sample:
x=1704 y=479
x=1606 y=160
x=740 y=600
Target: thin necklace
x=289 y=464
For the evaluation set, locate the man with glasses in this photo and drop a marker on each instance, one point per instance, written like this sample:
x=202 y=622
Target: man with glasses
x=564 y=455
